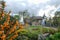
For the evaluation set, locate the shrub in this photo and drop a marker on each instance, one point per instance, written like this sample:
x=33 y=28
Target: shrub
x=8 y=25
x=32 y=33
x=56 y=36
x=25 y=34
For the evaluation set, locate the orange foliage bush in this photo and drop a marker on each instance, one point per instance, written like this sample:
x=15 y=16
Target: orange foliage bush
x=8 y=26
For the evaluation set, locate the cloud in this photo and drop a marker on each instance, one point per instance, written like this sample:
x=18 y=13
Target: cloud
x=37 y=1
x=37 y=7
x=47 y=11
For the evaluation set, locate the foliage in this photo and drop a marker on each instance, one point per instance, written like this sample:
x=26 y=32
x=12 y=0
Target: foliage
x=56 y=36
x=24 y=13
x=32 y=32
x=8 y=25
x=11 y=29
x=59 y=29
x=42 y=29
x=56 y=19
x=17 y=17
x=26 y=35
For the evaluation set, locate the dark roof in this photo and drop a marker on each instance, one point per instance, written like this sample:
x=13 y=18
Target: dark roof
x=37 y=17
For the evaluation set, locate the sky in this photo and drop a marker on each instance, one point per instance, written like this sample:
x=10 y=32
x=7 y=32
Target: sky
x=36 y=7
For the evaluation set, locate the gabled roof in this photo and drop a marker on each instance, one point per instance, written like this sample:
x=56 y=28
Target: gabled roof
x=37 y=17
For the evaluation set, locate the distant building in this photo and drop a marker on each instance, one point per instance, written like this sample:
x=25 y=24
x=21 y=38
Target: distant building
x=35 y=20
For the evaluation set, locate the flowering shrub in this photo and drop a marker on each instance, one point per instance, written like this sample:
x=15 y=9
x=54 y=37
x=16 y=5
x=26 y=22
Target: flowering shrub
x=8 y=27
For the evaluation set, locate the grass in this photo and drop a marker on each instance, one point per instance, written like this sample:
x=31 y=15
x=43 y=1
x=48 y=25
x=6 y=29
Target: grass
x=40 y=29
x=32 y=32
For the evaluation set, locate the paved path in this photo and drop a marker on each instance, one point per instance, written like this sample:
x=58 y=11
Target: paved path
x=50 y=27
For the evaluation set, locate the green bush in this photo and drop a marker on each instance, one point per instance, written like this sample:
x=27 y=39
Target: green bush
x=27 y=35
x=56 y=36
x=32 y=33
x=58 y=29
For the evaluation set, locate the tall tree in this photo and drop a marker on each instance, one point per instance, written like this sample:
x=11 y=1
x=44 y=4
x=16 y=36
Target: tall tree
x=23 y=15
x=57 y=19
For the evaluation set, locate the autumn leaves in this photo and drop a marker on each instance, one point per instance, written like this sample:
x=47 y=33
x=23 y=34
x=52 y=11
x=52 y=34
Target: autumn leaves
x=8 y=25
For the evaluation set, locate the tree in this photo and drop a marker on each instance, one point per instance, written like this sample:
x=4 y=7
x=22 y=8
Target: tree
x=56 y=19
x=23 y=15
x=17 y=17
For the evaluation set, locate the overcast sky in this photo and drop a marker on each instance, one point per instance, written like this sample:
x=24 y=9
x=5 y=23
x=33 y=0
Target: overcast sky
x=37 y=7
